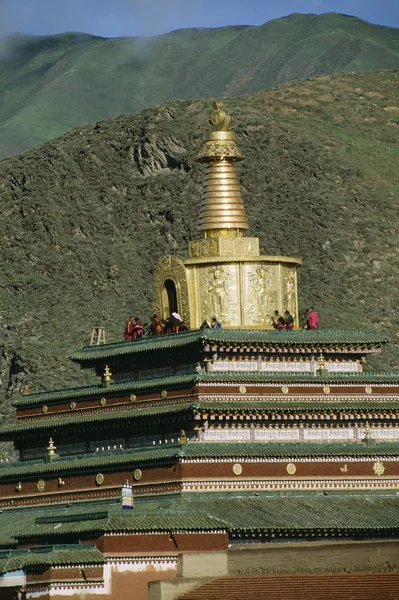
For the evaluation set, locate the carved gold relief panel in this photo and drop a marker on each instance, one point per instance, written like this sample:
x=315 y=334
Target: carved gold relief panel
x=259 y=284
x=289 y=291
x=218 y=287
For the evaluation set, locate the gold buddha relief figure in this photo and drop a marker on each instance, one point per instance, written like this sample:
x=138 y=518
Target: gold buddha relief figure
x=218 y=293
x=290 y=291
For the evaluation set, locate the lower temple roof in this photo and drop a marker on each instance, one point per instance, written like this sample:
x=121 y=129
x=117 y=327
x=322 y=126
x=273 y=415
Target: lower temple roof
x=46 y=556
x=172 y=453
x=316 y=338
x=237 y=513
x=193 y=379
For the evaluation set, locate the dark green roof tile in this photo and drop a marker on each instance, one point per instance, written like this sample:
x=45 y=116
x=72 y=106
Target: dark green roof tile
x=229 y=336
x=97 y=391
x=230 y=512
x=176 y=381
x=86 y=418
x=196 y=450
x=84 y=554
x=170 y=453
x=113 y=460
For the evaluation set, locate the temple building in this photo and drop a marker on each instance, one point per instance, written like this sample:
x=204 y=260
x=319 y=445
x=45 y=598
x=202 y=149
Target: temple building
x=240 y=462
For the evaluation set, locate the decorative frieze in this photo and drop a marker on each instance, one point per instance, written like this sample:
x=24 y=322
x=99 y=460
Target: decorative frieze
x=299 y=433
x=289 y=484
x=283 y=366
x=330 y=434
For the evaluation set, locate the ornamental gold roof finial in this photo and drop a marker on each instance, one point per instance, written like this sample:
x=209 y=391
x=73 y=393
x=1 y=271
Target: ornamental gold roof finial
x=222 y=212
x=218 y=119
x=51 y=451
x=107 y=376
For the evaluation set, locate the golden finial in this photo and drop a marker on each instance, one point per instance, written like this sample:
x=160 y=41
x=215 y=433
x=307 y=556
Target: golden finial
x=26 y=390
x=218 y=119
x=51 y=450
x=51 y=447
x=323 y=371
x=107 y=377
x=222 y=211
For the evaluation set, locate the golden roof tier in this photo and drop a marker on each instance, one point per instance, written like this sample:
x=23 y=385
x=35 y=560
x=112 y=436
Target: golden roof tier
x=225 y=276
x=222 y=212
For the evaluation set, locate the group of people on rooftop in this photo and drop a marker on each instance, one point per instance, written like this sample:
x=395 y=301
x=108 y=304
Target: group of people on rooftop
x=287 y=323
x=135 y=329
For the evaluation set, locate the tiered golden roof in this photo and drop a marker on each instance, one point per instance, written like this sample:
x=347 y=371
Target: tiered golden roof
x=222 y=212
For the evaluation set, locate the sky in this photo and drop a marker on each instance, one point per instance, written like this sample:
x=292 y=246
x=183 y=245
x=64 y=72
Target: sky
x=112 y=18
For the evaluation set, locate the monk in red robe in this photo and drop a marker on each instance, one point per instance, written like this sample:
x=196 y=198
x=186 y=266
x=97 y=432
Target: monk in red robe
x=128 y=333
x=138 y=329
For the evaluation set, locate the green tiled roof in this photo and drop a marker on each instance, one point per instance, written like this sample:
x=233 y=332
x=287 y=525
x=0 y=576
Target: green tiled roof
x=287 y=404
x=58 y=555
x=230 y=336
x=170 y=453
x=233 y=512
x=110 y=416
x=97 y=391
x=176 y=381
x=289 y=450
x=358 y=512
x=253 y=405
x=114 y=460
x=239 y=377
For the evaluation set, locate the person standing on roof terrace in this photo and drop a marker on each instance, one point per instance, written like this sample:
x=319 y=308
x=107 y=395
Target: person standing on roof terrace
x=312 y=319
x=215 y=324
x=275 y=319
x=128 y=333
x=156 y=325
x=288 y=321
x=138 y=329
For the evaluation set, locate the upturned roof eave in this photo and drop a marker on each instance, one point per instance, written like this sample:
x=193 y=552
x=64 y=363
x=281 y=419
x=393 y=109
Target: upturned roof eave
x=178 y=381
x=173 y=453
x=92 y=355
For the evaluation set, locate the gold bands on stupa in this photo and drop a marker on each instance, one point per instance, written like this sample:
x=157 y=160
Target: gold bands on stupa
x=222 y=209
x=225 y=277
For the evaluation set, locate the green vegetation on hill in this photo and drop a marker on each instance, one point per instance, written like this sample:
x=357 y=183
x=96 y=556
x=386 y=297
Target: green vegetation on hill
x=86 y=217
x=50 y=84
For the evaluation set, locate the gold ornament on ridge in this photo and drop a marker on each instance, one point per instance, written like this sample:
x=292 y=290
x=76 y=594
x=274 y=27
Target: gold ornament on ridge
x=222 y=211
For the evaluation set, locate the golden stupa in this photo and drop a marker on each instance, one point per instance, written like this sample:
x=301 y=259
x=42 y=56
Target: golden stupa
x=225 y=276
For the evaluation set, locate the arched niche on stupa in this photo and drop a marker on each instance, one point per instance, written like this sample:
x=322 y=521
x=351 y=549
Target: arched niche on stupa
x=170 y=288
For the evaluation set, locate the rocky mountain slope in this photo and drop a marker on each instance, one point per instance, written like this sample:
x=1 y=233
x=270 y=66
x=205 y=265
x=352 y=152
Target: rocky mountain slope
x=50 y=84
x=85 y=217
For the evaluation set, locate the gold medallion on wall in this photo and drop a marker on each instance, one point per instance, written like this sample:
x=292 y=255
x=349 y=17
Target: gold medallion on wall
x=99 y=479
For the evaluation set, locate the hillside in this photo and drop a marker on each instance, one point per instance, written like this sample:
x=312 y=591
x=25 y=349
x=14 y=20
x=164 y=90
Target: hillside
x=85 y=217
x=50 y=84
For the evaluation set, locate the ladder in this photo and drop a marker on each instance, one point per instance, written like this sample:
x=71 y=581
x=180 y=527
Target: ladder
x=98 y=336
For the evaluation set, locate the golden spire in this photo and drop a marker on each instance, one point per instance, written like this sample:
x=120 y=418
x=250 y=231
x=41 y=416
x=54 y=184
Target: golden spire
x=107 y=377
x=222 y=212
x=51 y=451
